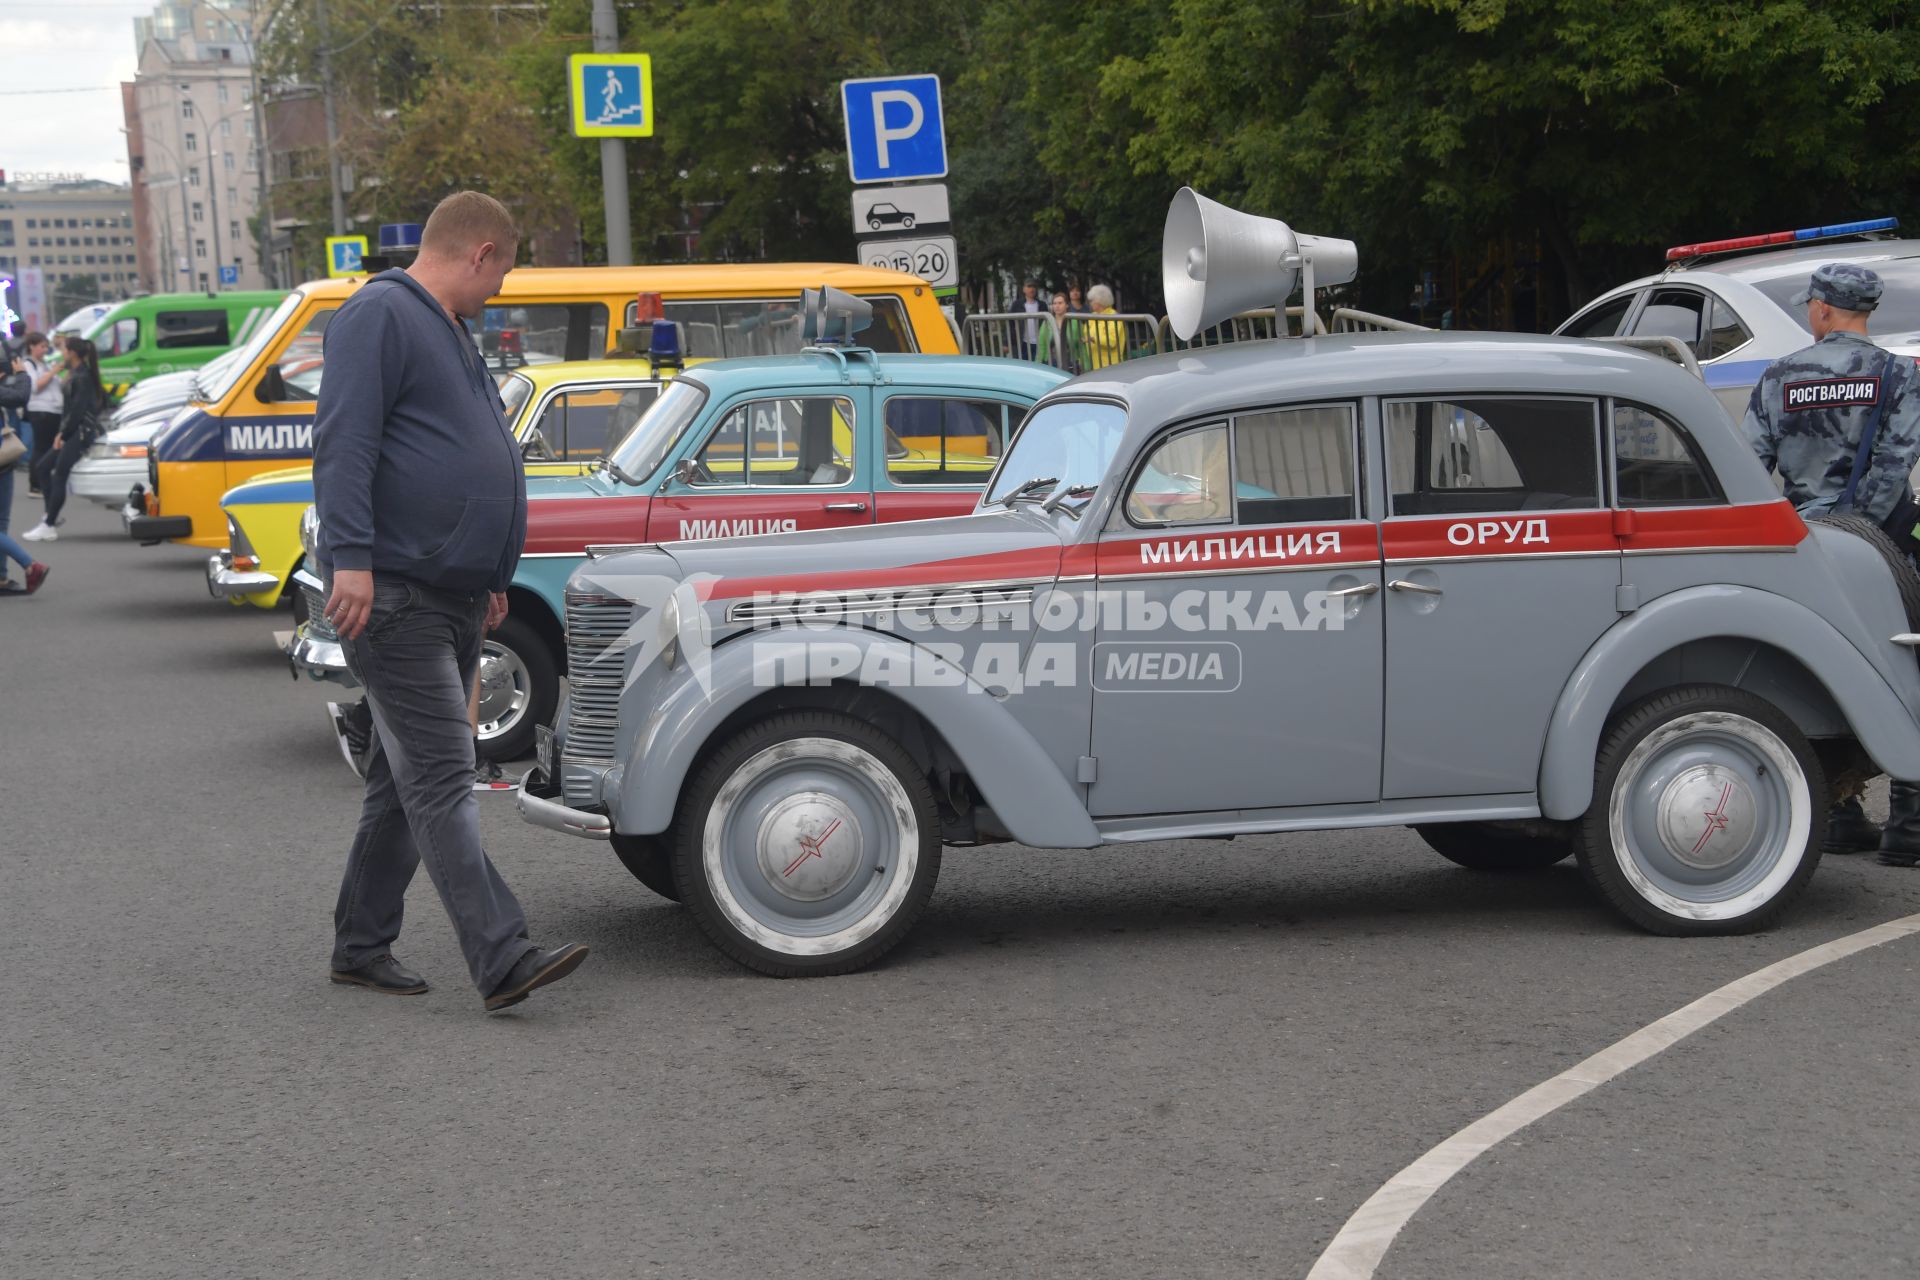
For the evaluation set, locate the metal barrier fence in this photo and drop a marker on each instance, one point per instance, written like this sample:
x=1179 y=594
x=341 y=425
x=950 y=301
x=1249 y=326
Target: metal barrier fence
x=1077 y=345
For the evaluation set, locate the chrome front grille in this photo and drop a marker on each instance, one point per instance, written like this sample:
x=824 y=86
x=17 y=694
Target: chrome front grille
x=596 y=627
x=317 y=625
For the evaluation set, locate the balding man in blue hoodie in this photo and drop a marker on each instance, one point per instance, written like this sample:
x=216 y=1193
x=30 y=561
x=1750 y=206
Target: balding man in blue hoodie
x=422 y=501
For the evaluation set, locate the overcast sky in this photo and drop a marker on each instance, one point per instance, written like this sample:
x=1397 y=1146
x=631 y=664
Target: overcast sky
x=60 y=45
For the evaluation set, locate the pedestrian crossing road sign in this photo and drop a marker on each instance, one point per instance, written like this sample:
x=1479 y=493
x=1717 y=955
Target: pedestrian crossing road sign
x=612 y=95
x=344 y=254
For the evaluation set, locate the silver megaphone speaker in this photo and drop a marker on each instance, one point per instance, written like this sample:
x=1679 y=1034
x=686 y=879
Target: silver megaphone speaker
x=1216 y=262
x=829 y=315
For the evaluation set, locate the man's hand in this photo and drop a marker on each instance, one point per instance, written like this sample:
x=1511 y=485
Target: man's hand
x=496 y=609
x=351 y=602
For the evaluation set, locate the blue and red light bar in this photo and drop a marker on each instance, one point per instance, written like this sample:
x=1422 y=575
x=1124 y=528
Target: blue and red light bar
x=1782 y=237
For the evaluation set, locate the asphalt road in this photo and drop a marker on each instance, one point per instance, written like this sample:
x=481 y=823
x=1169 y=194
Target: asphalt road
x=1185 y=1060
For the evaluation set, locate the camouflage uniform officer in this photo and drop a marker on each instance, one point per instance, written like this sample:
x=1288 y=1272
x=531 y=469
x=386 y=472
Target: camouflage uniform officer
x=1806 y=419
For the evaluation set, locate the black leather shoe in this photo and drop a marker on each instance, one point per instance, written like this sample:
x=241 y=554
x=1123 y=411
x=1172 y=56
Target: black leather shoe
x=383 y=974
x=1850 y=831
x=1899 y=857
x=536 y=969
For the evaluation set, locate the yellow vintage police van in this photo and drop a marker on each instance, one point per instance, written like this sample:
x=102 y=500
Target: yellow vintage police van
x=257 y=416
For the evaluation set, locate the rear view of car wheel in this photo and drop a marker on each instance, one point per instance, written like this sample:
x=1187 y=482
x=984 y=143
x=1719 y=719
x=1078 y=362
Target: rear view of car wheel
x=807 y=845
x=650 y=859
x=1708 y=813
x=1904 y=576
x=1494 y=846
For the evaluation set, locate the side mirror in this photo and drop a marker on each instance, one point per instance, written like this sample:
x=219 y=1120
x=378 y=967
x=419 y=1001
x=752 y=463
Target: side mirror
x=686 y=471
x=273 y=387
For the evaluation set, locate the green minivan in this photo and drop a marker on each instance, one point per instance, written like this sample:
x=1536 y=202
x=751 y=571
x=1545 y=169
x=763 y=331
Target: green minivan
x=168 y=332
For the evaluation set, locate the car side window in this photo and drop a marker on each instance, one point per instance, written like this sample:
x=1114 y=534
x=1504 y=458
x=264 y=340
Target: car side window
x=784 y=443
x=1726 y=334
x=1186 y=481
x=126 y=336
x=304 y=359
x=175 y=329
x=585 y=423
x=942 y=440
x=1602 y=321
x=1492 y=454
x=1293 y=465
x=1657 y=464
x=1675 y=313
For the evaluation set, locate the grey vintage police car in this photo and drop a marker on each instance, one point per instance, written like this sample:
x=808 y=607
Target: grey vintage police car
x=1532 y=596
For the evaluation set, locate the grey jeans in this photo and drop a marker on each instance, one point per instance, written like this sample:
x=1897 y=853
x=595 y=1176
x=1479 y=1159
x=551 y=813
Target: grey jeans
x=417 y=660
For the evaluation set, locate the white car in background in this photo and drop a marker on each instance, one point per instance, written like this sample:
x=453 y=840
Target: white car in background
x=118 y=460
x=1727 y=300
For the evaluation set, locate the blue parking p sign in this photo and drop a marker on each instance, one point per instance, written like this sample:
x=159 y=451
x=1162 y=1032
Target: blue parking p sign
x=229 y=275
x=894 y=128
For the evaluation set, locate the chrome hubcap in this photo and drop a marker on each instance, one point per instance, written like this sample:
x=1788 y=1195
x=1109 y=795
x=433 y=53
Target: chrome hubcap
x=505 y=689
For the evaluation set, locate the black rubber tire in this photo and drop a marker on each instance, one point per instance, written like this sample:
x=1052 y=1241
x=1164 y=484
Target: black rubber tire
x=543 y=690
x=1903 y=573
x=1493 y=846
x=1595 y=846
x=690 y=823
x=650 y=859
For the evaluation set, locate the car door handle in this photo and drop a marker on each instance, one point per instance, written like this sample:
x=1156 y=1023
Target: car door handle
x=1364 y=589
x=1401 y=584
x=846 y=506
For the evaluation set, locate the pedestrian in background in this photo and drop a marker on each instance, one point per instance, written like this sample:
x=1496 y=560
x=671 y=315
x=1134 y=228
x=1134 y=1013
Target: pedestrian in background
x=1106 y=340
x=1840 y=421
x=1029 y=303
x=81 y=406
x=1057 y=337
x=43 y=405
x=1076 y=302
x=15 y=388
x=422 y=501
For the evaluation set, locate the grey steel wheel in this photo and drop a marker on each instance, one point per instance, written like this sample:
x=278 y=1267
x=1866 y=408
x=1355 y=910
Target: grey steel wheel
x=808 y=844
x=1708 y=812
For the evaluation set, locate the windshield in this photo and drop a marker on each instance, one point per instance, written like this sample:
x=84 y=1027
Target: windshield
x=214 y=386
x=515 y=391
x=647 y=445
x=1899 y=309
x=1072 y=441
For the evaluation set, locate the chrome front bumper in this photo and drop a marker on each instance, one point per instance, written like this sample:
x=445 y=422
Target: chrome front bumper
x=225 y=582
x=319 y=659
x=105 y=482
x=555 y=816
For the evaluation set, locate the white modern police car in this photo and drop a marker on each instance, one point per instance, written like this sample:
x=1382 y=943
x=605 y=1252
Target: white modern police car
x=1727 y=300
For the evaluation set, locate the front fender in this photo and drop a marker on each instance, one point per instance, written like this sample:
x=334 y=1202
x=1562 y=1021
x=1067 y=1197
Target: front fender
x=1873 y=710
x=1024 y=787
x=273 y=530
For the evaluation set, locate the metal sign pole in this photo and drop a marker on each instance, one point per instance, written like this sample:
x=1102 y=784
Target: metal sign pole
x=613 y=152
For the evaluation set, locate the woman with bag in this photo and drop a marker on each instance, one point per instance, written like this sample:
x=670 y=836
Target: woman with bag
x=79 y=426
x=14 y=390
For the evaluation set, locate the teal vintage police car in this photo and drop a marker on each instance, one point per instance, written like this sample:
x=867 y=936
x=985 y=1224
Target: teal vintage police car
x=829 y=438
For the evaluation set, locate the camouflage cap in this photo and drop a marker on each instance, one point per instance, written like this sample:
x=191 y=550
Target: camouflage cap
x=1841 y=284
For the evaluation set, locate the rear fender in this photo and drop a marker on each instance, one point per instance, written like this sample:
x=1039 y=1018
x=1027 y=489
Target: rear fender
x=1010 y=771
x=1873 y=711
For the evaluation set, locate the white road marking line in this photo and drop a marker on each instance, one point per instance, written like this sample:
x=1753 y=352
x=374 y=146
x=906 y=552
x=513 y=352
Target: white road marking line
x=1359 y=1246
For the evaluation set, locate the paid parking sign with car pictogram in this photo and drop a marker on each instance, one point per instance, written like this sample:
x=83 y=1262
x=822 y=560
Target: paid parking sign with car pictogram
x=612 y=95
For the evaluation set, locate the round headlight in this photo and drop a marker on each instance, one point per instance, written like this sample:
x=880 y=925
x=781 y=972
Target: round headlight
x=310 y=530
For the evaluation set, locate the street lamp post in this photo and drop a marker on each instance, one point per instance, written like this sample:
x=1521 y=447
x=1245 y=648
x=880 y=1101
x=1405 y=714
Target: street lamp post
x=181 y=182
x=268 y=265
